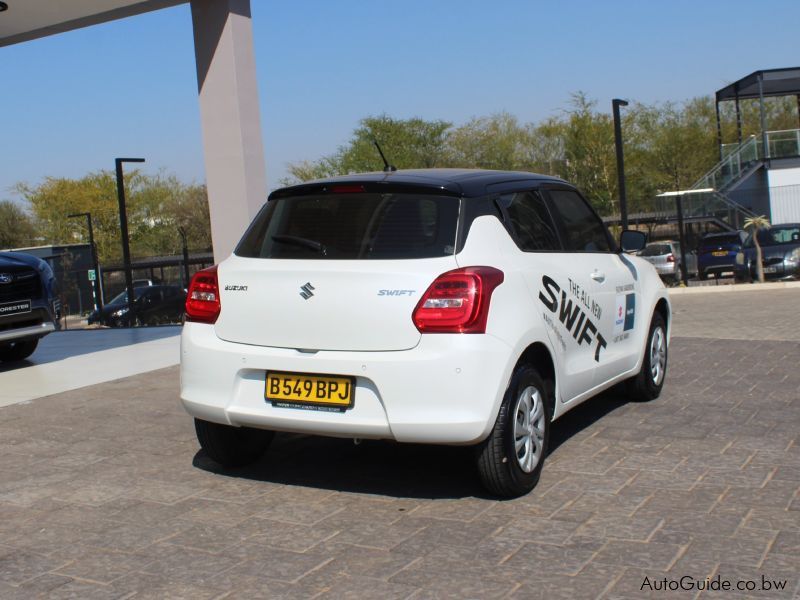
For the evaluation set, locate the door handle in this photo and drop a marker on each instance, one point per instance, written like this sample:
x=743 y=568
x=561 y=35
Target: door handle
x=598 y=276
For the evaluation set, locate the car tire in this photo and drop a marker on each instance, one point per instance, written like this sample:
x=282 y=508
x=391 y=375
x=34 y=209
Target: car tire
x=232 y=446
x=510 y=460
x=18 y=350
x=647 y=384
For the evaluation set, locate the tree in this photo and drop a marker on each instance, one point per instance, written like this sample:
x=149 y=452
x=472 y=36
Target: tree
x=668 y=146
x=589 y=157
x=495 y=142
x=17 y=230
x=756 y=224
x=156 y=206
x=407 y=143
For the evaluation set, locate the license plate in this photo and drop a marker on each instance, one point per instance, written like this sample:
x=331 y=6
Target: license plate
x=15 y=308
x=719 y=253
x=770 y=269
x=309 y=390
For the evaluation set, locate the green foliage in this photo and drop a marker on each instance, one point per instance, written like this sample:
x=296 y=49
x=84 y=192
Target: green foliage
x=495 y=142
x=156 y=206
x=590 y=161
x=667 y=147
x=16 y=227
x=407 y=144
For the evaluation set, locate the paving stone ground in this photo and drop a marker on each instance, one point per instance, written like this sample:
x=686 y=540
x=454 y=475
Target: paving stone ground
x=104 y=494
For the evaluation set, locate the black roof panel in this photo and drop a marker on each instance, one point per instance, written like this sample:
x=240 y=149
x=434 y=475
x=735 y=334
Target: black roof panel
x=774 y=82
x=463 y=182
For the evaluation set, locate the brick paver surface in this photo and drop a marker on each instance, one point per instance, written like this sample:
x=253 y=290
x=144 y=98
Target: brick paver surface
x=103 y=494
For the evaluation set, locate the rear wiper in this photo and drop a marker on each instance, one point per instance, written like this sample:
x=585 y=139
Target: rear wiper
x=301 y=241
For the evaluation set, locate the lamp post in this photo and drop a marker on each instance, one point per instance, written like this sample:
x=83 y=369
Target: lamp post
x=123 y=227
x=678 y=195
x=623 y=199
x=186 y=278
x=98 y=294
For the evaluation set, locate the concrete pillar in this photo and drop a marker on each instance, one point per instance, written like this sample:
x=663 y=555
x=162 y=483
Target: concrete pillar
x=234 y=152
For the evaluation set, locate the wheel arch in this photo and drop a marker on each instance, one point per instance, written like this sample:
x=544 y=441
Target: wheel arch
x=538 y=355
x=662 y=307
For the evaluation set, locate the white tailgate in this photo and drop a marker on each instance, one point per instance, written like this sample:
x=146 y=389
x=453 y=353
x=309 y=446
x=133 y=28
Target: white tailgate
x=356 y=304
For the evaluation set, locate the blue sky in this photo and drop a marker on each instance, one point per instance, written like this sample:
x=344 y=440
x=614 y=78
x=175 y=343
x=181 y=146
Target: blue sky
x=74 y=101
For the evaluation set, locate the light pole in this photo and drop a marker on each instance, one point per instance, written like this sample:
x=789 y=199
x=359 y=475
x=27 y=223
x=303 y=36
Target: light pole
x=623 y=200
x=123 y=227
x=678 y=195
x=186 y=278
x=98 y=294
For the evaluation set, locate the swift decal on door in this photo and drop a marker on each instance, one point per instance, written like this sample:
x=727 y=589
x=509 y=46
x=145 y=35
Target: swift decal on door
x=570 y=313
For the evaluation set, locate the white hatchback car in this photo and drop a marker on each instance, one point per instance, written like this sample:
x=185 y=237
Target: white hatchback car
x=434 y=306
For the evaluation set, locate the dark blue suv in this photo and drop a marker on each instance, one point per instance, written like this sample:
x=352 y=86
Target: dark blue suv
x=722 y=253
x=29 y=305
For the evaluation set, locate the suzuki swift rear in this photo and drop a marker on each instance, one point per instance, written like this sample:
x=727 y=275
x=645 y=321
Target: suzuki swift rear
x=393 y=306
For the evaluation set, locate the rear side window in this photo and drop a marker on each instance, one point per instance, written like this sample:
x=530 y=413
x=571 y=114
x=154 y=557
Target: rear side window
x=717 y=240
x=656 y=250
x=353 y=226
x=530 y=223
x=583 y=229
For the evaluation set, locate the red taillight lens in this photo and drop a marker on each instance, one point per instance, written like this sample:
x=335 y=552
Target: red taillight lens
x=202 y=301
x=458 y=301
x=670 y=258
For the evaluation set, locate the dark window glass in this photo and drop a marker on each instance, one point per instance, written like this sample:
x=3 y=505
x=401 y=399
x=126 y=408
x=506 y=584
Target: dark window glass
x=529 y=221
x=779 y=235
x=712 y=241
x=656 y=250
x=583 y=229
x=353 y=226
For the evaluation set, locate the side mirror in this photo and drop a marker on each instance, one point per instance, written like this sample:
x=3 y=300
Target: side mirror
x=631 y=240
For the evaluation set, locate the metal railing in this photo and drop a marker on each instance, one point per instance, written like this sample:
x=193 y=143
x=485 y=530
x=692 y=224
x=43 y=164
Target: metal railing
x=707 y=203
x=731 y=168
x=736 y=158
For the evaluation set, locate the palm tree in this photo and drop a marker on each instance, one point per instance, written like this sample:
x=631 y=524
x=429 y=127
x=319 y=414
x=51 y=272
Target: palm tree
x=756 y=224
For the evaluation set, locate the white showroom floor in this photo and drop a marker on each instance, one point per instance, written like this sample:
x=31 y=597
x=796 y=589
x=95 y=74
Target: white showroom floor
x=68 y=360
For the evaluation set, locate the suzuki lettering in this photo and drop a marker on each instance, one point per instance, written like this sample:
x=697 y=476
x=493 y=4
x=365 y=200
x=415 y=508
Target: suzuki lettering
x=461 y=307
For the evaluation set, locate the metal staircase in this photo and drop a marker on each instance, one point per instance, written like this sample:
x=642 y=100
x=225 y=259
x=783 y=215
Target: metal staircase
x=708 y=196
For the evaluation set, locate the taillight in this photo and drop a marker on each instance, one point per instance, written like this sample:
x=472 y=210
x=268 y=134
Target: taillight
x=202 y=301
x=670 y=258
x=457 y=301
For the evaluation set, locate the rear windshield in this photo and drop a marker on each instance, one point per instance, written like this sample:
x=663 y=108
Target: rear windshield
x=775 y=236
x=717 y=240
x=656 y=250
x=353 y=226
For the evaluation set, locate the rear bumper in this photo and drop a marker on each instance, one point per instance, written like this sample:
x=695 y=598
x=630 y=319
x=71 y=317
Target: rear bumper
x=722 y=266
x=446 y=390
x=666 y=269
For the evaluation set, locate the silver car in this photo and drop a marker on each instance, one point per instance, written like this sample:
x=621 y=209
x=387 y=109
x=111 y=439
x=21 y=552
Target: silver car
x=665 y=256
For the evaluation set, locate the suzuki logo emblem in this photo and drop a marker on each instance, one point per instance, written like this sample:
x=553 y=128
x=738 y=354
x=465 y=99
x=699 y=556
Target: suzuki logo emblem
x=306 y=290
x=6 y=278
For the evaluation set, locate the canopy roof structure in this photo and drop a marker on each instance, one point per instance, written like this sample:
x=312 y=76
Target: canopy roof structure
x=24 y=20
x=758 y=85
x=764 y=83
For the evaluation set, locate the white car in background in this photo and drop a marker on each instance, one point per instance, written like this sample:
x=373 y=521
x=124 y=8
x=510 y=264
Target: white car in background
x=432 y=306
